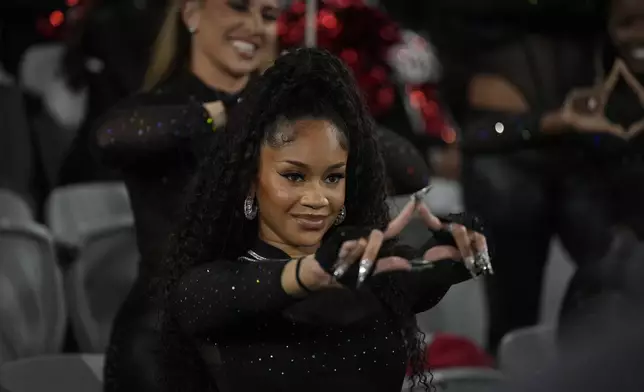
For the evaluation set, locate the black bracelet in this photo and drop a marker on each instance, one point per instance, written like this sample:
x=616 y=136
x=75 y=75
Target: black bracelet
x=297 y=276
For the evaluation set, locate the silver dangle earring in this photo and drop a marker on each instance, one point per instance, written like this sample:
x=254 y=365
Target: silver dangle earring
x=192 y=29
x=340 y=218
x=250 y=209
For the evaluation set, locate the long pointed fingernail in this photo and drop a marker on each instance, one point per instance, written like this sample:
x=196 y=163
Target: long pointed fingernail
x=424 y=191
x=363 y=271
x=490 y=270
x=484 y=263
x=419 y=195
x=471 y=266
x=340 y=270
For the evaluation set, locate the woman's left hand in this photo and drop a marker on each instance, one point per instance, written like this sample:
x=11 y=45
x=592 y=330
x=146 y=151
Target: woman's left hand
x=468 y=246
x=463 y=244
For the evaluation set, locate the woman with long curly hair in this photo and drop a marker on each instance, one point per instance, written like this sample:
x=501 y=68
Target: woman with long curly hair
x=286 y=274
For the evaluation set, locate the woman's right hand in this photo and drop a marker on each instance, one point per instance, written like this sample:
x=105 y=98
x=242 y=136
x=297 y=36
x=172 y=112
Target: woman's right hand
x=331 y=265
x=317 y=272
x=217 y=112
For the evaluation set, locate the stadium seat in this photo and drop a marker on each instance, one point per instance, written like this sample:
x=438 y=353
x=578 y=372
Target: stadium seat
x=63 y=373
x=31 y=295
x=13 y=207
x=525 y=351
x=463 y=380
x=76 y=210
x=98 y=282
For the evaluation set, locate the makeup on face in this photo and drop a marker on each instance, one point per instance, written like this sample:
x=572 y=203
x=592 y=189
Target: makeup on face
x=232 y=39
x=301 y=184
x=265 y=11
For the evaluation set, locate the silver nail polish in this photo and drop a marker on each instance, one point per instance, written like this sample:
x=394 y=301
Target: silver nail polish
x=418 y=196
x=484 y=263
x=470 y=264
x=340 y=270
x=363 y=271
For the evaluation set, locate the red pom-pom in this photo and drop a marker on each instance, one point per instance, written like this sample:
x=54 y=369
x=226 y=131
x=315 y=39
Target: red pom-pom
x=379 y=74
x=337 y=3
x=282 y=28
x=389 y=33
x=298 y=7
x=359 y=35
x=386 y=97
x=349 y=56
x=425 y=99
x=327 y=20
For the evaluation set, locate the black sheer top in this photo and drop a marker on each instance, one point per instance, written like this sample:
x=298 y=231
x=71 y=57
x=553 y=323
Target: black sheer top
x=156 y=138
x=253 y=336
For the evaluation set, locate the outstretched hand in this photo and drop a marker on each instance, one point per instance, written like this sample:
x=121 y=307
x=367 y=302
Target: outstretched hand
x=582 y=112
x=336 y=259
x=457 y=242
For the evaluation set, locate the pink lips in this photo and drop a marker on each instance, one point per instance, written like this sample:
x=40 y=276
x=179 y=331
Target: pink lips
x=311 y=222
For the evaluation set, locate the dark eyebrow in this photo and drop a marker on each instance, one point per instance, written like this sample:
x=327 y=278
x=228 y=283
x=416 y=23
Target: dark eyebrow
x=305 y=166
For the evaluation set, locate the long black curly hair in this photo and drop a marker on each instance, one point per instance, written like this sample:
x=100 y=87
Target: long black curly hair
x=301 y=83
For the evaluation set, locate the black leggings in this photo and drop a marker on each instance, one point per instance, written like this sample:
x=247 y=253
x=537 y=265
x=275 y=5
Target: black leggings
x=526 y=197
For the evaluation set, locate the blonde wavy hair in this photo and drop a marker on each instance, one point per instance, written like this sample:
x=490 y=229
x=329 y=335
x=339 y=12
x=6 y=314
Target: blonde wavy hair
x=171 y=49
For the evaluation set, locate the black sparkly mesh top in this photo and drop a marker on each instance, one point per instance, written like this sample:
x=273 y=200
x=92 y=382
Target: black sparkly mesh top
x=253 y=336
x=155 y=139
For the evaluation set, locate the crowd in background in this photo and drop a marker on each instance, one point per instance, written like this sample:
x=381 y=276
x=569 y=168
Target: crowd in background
x=533 y=111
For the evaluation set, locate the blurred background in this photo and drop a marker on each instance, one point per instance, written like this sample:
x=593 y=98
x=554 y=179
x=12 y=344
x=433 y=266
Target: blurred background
x=525 y=112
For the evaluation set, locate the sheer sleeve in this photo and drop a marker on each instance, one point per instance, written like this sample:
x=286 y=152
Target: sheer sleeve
x=422 y=290
x=144 y=127
x=481 y=132
x=219 y=294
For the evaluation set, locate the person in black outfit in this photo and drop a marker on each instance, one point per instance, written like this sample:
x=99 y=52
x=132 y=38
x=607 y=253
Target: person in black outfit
x=262 y=284
x=157 y=137
x=618 y=277
x=515 y=63
x=544 y=185
x=107 y=64
x=204 y=55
